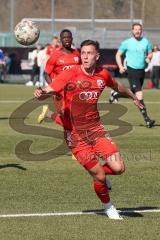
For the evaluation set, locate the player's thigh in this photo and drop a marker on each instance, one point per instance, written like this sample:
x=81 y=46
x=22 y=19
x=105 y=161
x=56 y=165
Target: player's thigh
x=108 y=151
x=116 y=163
x=85 y=156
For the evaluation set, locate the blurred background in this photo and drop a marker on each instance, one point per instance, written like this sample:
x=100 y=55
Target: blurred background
x=107 y=21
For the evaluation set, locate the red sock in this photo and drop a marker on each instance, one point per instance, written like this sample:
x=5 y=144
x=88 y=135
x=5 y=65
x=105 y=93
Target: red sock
x=108 y=170
x=101 y=190
x=56 y=118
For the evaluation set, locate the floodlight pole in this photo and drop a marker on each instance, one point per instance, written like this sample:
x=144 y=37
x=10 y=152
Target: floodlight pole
x=12 y=15
x=92 y=13
x=143 y=11
x=52 y=17
x=131 y=12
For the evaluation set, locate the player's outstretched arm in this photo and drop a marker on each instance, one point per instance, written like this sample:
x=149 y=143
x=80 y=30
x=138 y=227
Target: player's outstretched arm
x=119 y=87
x=42 y=93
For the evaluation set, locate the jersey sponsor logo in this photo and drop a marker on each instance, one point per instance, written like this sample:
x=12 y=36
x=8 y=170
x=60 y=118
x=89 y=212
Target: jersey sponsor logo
x=100 y=83
x=83 y=85
x=88 y=95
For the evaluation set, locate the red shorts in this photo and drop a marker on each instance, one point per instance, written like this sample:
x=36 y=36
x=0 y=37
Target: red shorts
x=90 y=145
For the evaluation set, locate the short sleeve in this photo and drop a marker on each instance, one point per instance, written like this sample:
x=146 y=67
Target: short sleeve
x=50 y=65
x=110 y=81
x=123 y=47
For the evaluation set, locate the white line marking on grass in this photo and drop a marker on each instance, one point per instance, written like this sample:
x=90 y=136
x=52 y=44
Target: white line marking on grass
x=73 y=213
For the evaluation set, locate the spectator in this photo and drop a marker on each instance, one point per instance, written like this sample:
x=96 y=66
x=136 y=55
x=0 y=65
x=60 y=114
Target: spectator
x=2 y=64
x=155 y=67
x=1 y=55
x=7 y=61
x=41 y=61
x=35 y=69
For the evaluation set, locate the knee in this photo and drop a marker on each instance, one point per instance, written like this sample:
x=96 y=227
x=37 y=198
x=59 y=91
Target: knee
x=100 y=177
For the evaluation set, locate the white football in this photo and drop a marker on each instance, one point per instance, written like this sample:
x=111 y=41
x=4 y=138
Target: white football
x=26 y=32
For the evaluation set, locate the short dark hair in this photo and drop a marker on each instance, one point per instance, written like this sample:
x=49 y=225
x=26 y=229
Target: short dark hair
x=136 y=24
x=65 y=30
x=90 y=42
x=55 y=37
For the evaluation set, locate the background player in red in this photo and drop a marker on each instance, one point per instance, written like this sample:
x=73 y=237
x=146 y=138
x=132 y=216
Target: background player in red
x=55 y=44
x=60 y=60
x=82 y=86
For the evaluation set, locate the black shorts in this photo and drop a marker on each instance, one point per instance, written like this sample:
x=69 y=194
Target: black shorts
x=135 y=78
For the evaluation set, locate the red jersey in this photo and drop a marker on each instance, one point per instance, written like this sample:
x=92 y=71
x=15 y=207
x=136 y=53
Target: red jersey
x=81 y=93
x=60 y=61
x=50 y=49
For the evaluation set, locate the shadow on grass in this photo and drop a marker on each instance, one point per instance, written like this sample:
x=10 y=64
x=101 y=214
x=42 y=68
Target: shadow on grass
x=12 y=165
x=143 y=125
x=128 y=212
x=4 y=118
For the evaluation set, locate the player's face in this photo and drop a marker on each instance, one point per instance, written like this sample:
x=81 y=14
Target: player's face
x=89 y=56
x=66 y=40
x=137 y=31
x=55 y=41
x=155 y=48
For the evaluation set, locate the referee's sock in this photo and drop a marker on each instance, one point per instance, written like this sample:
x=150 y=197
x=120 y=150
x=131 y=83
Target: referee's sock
x=144 y=111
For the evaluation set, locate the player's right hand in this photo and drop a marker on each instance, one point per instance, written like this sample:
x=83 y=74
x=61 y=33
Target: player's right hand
x=41 y=94
x=122 y=69
x=38 y=92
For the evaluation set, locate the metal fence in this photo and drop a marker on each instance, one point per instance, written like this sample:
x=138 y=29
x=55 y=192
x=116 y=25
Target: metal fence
x=107 y=38
x=85 y=18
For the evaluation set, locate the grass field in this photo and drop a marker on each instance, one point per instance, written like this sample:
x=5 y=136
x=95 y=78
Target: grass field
x=60 y=185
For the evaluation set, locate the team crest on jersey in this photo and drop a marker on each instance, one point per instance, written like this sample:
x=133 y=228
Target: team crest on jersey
x=100 y=83
x=76 y=59
x=61 y=60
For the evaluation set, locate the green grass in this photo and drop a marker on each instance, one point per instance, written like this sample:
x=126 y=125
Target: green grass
x=61 y=184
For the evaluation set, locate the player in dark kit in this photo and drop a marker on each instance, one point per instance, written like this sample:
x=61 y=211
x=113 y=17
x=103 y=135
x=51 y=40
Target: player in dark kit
x=81 y=87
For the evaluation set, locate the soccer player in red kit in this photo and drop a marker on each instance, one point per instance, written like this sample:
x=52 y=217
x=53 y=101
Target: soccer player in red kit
x=63 y=59
x=54 y=45
x=81 y=87
x=60 y=60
